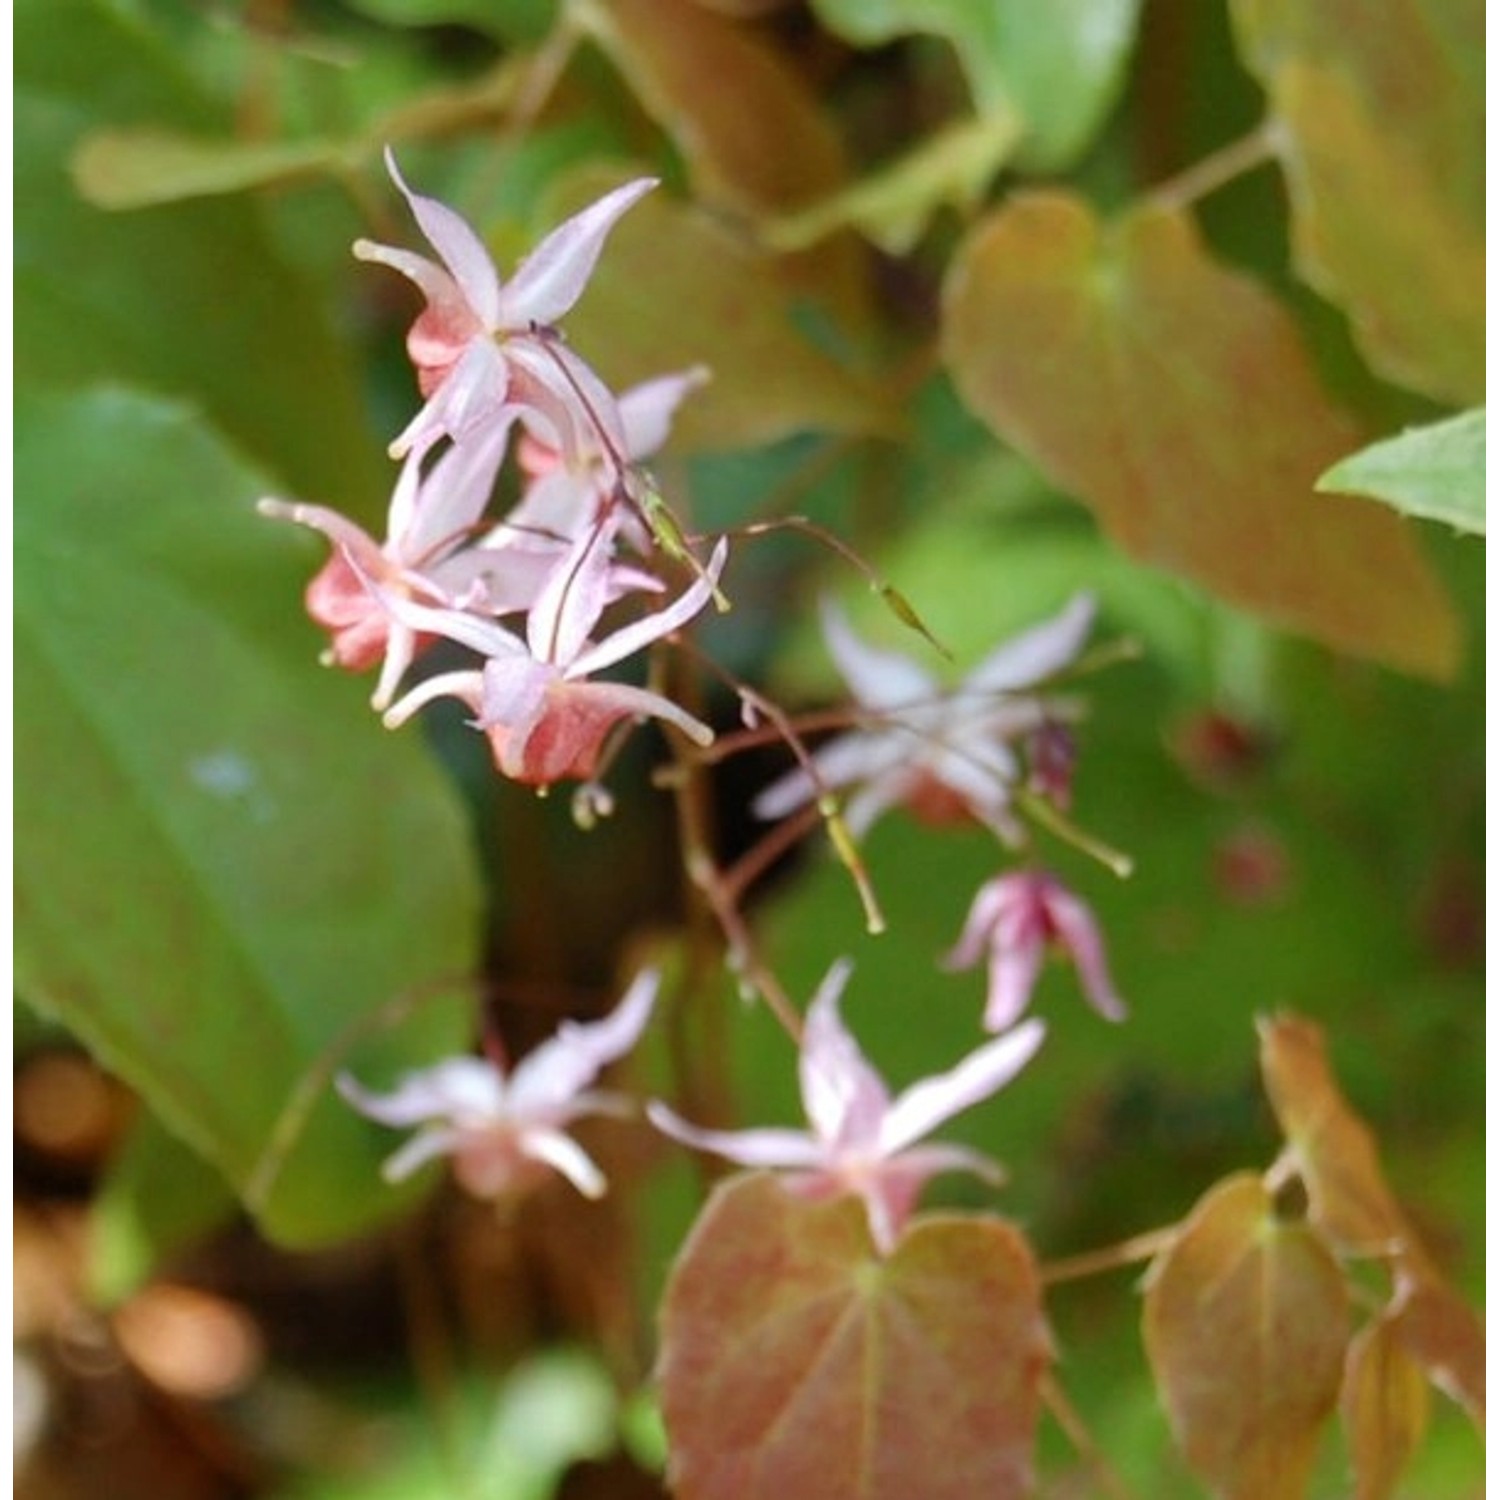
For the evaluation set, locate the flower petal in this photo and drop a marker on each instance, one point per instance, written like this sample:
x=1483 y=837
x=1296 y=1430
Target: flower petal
x=562 y=1153
x=467 y=1085
x=1078 y=932
x=552 y=278
x=646 y=410
x=1038 y=653
x=750 y=1148
x=419 y=1150
x=571 y=601
x=634 y=637
x=561 y=1067
x=844 y=1097
x=878 y=679
x=457 y=245
x=924 y=1106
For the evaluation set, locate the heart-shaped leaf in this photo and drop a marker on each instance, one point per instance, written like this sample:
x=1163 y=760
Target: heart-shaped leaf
x=1174 y=397
x=1384 y=1408
x=1378 y=109
x=797 y=1364
x=1246 y=1325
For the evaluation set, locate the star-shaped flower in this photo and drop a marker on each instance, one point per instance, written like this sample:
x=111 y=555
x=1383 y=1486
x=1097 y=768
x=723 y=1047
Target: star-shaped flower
x=941 y=754
x=504 y=1129
x=862 y=1141
x=1015 y=918
x=482 y=343
x=546 y=721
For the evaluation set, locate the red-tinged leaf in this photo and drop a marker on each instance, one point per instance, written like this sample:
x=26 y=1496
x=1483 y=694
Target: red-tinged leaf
x=1384 y=1408
x=1246 y=1324
x=753 y=134
x=1378 y=109
x=750 y=128
x=798 y=1365
x=675 y=288
x=1440 y=1331
x=1334 y=1149
x=1174 y=397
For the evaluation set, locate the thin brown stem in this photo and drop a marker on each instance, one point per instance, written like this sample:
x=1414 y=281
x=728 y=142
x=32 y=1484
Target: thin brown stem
x=1110 y=1257
x=1215 y=170
x=1066 y=1417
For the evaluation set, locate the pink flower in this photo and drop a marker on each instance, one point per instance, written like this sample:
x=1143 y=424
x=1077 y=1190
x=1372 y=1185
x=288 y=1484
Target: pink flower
x=481 y=343
x=426 y=556
x=942 y=755
x=502 y=1130
x=1015 y=917
x=862 y=1141
x=545 y=720
x=568 y=493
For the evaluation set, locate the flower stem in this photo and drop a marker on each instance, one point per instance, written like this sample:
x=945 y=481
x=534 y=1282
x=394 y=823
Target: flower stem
x=1215 y=170
x=1110 y=1257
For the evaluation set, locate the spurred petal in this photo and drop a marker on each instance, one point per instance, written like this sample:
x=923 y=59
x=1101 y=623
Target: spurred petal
x=635 y=637
x=466 y=686
x=878 y=679
x=750 y=1148
x=364 y=551
x=467 y=1085
x=563 y=1154
x=843 y=1095
x=1038 y=653
x=926 y=1105
x=552 y=278
x=419 y=1150
x=429 y=517
x=561 y=1067
x=1079 y=933
x=578 y=413
x=458 y=247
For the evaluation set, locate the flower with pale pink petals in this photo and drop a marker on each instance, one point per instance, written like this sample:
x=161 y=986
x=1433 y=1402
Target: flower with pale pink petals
x=502 y=1129
x=567 y=493
x=943 y=755
x=1015 y=918
x=481 y=343
x=863 y=1142
x=545 y=720
x=426 y=556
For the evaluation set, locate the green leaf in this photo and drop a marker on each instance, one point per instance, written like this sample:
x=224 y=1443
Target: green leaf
x=1246 y=1325
x=1059 y=66
x=1378 y=115
x=1174 y=397
x=186 y=298
x=795 y=1361
x=119 y=169
x=227 y=869
x=893 y=205
x=1436 y=472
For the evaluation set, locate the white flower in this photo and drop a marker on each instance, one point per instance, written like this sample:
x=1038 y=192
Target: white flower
x=943 y=755
x=501 y=1129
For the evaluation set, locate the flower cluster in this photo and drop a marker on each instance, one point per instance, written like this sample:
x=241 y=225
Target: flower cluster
x=525 y=590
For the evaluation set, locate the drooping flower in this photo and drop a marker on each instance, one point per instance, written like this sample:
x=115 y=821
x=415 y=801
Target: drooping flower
x=426 y=556
x=944 y=755
x=1014 y=919
x=545 y=720
x=482 y=343
x=862 y=1141
x=504 y=1129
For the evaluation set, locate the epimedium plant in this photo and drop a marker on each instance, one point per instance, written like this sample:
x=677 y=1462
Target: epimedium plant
x=818 y=1335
